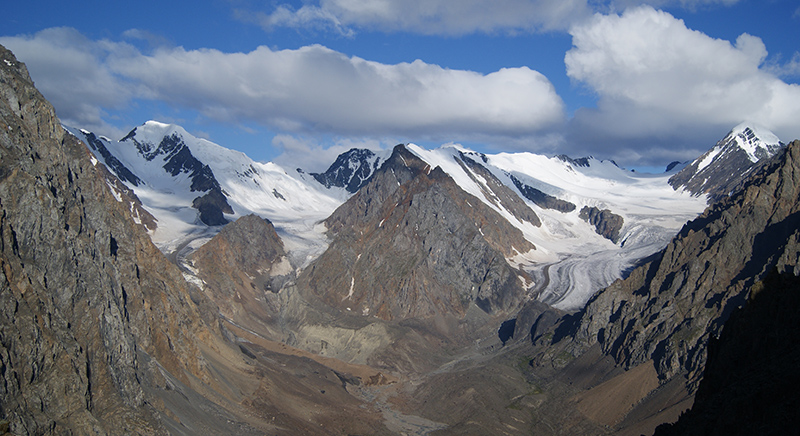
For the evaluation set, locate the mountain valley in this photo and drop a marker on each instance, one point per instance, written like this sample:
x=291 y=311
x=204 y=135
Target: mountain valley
x=164 y=284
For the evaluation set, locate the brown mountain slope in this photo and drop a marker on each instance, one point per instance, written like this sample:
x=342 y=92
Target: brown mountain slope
x=242 y=269
x=412 y=244
x=100 y=334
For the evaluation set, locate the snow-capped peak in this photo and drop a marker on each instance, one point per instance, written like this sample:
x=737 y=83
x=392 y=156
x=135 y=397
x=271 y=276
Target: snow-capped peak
x=758 y=142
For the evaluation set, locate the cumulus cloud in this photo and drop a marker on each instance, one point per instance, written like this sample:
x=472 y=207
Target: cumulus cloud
x=654 y=77
x=317 y=89
x=311 y=89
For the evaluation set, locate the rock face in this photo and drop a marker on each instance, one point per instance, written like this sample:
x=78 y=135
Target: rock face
x=498 y=193
x=722 y=169
x=750 y=381
x=83 y=294
x=241 y=268
x=605 y=222
x=351 y=170
x=111 y=161
x=100 y=334
x=411 y=243
x=212 y=207
x=667 y=309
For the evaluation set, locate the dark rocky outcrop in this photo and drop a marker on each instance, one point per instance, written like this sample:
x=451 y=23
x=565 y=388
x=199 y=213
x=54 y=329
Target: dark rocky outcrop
x=605 y=222
x=671 y=166
x=750 y=381
x=578 y=162
x=212 y=207
x=496 y=192
x=351 y=170
x=111 y=161
x=411 y=243
x=540 y=198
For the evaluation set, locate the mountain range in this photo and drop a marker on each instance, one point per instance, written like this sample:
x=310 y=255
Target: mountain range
x=163 y=284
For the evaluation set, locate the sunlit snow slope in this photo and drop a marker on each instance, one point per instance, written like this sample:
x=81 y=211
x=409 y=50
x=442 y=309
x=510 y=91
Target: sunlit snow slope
x=293 y=202
x=571 y=260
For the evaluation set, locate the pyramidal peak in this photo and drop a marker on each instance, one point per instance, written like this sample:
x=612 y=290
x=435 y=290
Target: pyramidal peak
x=719 y=171
x=758 y=142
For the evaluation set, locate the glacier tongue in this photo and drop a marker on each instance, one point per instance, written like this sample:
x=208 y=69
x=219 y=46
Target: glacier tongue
x=572 y=261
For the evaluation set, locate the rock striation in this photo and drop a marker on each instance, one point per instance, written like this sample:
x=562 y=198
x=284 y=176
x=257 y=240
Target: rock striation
x=411 y=243
x=750 y=381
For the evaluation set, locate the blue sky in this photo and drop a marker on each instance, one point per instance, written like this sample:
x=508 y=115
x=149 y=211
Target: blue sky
x=640 y=82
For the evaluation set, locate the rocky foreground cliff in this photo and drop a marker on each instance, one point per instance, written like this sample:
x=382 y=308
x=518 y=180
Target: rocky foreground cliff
x=100 y=334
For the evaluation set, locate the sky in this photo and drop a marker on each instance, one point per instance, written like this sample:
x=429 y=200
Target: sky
x=642 y=82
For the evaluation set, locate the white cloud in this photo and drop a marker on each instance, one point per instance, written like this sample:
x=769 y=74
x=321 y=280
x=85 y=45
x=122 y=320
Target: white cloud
x=448 y=17
x=433 y=17
x=311 y=89
x=72 y=72
x=655 y=77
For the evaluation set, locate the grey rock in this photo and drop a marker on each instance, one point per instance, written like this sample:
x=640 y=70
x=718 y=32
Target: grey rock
x=605 y=222
x=411 y=243
x=540 y=198
x=728 y=168
x=351 y=170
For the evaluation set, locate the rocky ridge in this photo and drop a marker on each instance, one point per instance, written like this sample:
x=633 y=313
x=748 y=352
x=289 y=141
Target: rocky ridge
x=351 y=170
x=411 y=243
x=177 y=160
x=605 y=222
x=750 y=381
x=540 y=198
x=84 y=298
x=668 y=308
x=722 y=169
x=242 y=268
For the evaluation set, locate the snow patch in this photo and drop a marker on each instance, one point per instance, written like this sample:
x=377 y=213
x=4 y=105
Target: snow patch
x=117 y=195
x=708 y=159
